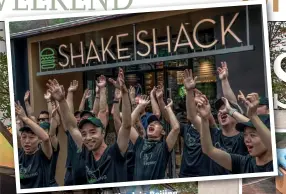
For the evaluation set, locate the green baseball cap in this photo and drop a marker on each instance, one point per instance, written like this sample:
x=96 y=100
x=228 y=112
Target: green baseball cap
x=93 y=120
x=263 y=101
x=264 y=118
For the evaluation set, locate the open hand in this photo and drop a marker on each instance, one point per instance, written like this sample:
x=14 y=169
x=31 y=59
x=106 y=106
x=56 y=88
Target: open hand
x=132 y=93
x=101 y=83
x=20 y=112
x=144 y=100
x=223 y=71
x=27 y=96
x=73 y=86
x=87 y=93
x=189 y=82
x=56 y=90
x=159 y=92
x=119 y=83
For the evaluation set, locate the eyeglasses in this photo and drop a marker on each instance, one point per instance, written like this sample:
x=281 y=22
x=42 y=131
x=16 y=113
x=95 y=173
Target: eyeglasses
x=43 y=119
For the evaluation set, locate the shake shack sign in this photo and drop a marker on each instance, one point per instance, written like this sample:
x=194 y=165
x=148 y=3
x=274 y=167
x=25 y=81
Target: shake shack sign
x=113 y=51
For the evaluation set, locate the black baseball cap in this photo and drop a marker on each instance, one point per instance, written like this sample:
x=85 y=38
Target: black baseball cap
x=93 y=120
x=218 y=103
x=26 y=129
x=264 y=118
x=86 y=112
x=152 y=118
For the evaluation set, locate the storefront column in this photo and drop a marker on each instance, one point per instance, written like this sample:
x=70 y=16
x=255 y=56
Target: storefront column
x=218 y=187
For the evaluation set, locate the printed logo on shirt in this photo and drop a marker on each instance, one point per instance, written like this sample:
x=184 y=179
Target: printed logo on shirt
x=94 y=176
x=147 y=159
x=190 y=141
x=228 y=150
x=25 y=172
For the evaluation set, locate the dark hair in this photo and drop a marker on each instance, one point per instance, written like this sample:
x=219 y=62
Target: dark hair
x=44 y=112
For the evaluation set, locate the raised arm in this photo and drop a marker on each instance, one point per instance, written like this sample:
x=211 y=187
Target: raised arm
x=41 y=133
x=115 y=110
x=73 y=87
x=219 y=156
x=124 y=131
x=175 y=126
x=161 y=103
x=132 y=96
x=54 y=123
x=102 y=100
x=154 y=104
x=143 y=102
x=233 y=112
x=226 y=89
x=68 y=118
x=201 y=98
x=48 y=97
x=28 y=106
x=95 y=107
x=190 y=85
x=252 y=102
x=85 y=96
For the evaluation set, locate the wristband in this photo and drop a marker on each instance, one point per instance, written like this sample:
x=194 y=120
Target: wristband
x=48 y=101
x=232 y=111
x=97 y=97
x=115 y=101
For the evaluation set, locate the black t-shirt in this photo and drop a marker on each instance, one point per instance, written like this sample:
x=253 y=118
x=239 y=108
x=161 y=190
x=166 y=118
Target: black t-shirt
x=232 y=145
x=111 y=167
x=130 y=160
x=247 y=164
x=151 y=159
x=54 y=165
x=194 y=161
x=34 y=169
x=68 y=180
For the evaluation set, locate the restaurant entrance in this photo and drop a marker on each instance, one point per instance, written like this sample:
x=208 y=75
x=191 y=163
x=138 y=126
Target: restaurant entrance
x=167 y=73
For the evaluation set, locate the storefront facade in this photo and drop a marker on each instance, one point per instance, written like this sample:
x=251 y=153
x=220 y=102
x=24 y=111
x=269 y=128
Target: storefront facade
x=153 y=49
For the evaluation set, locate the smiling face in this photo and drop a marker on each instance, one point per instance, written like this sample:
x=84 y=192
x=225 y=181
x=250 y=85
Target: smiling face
x=92 y=136
x=224 y=119
x=155 y=130
x=253 y=142
x=29 y=142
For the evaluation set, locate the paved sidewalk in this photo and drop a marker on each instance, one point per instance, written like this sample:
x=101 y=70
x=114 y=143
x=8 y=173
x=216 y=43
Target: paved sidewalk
x=280 y=119
x=265 y=185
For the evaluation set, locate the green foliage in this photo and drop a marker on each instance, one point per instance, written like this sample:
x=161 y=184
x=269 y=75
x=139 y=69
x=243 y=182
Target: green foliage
x=280 y=137
x=29 y=25
x=4 y=87
x=277 y=41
